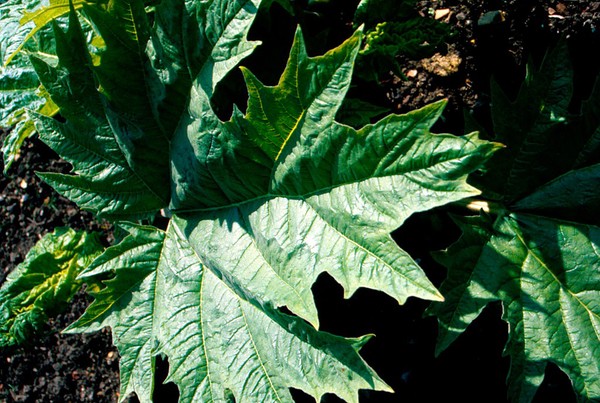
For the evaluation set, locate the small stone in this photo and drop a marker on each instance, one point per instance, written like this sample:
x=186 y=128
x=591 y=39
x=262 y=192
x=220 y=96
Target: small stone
x=441 y=13
x=461 y=16
x=442 y=65
x=491 y=18
x=412 y=73
x=23 y=184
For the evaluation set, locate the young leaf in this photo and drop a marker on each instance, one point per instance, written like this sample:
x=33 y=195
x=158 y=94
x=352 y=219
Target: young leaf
x=41 y=286
x=393 y=28
x=218 y=337
x=35 y=18
x=545 y=270
x=20 y=90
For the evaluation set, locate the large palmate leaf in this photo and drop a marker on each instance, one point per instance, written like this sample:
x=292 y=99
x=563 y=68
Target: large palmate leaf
x=117 y=134
x=262 y=204
x=41 y=286
x=544 y=269
x=546 y=272
x=293 y=193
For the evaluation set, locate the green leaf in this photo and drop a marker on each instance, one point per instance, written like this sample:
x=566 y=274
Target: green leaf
x=198 y=42
x=41 y=286
x=18 y=90
x=534 y=127
x=19 y=118
x=36 y=20
x=285 y=193
x=262 y=204
x=573 y=196
x=122 y=113
x=19 y=86
x=219 y=338
x=547 y=274
x=590 y=125
x=543 y=268
x=13 y=33
x=358 y=113
x=96 y=139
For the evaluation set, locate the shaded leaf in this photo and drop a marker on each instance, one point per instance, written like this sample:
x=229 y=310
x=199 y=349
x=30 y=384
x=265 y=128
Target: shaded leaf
x=121 y=114
x=574 y=196
x=109 y=176
x=357 y=113
x=590 y=125
x=545 y=270
x=550 y=290
x=534 y=129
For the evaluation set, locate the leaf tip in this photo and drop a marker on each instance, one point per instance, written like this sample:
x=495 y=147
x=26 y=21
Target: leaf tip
x=359 y=342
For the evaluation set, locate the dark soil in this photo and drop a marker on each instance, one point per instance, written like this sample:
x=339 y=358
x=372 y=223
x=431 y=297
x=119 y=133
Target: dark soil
x=84 y=368
x=57 y=368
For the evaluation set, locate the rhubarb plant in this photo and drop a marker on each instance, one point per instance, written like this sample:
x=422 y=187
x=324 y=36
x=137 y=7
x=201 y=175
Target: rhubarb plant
x=261 y=204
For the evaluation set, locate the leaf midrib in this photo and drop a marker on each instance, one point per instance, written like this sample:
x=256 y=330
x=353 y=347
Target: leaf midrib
x=531 y=252
x=564 y=288
x=270 y=195
x=303 y=108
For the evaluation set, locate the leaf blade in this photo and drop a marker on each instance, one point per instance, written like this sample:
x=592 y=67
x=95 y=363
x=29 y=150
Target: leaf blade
x=174 y=281
x=549 y=299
